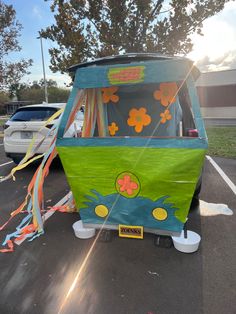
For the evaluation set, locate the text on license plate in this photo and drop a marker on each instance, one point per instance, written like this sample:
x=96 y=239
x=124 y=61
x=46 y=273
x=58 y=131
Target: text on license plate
x=131 y=231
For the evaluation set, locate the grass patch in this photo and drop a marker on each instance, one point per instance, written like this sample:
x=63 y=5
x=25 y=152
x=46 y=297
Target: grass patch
x=3 y=119
x=222 y=141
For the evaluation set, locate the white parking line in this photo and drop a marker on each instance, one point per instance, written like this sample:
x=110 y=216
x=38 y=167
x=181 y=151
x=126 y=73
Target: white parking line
x=6 y=163
x=222 y=174
x=1 y=144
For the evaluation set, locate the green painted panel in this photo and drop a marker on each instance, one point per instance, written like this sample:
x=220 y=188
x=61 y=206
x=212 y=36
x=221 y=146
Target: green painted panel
x=161 y=172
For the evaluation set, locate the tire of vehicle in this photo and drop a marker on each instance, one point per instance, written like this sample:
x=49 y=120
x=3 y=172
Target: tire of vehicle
x=195 y=199
x=16 y=160
x=163 y=241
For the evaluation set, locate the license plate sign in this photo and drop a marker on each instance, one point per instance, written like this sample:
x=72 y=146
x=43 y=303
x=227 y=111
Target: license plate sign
x=135 y=232
x=26 y=135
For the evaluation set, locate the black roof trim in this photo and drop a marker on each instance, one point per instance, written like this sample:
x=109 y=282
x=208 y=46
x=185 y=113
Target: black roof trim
x=125 y=58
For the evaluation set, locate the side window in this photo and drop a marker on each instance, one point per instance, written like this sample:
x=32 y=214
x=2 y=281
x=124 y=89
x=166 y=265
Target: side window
x=187 y=117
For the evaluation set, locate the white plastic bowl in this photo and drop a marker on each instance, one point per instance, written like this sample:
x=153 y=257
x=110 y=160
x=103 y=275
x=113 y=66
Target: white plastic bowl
x=81 y=232
x=188 y=245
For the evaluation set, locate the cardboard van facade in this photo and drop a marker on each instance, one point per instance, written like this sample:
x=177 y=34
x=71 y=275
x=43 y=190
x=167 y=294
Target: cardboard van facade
x=135 y=164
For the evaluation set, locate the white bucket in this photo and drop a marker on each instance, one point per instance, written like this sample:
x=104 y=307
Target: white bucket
x=81 y=232
x=189 y=244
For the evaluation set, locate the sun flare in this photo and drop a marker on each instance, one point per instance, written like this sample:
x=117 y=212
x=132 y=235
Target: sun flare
x=218 y=45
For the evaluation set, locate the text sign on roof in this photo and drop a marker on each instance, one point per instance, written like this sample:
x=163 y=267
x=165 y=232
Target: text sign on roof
x=124 y=75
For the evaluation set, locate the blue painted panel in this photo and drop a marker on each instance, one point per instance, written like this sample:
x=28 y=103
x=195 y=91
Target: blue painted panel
x=134 y=211
x=196 y=108
x=185 y=142
x=158 y=71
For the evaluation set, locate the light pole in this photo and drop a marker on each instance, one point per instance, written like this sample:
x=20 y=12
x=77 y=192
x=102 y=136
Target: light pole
x=44 y=75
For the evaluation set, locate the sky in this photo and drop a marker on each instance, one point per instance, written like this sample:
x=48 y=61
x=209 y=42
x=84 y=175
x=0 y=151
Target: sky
x=214 y=51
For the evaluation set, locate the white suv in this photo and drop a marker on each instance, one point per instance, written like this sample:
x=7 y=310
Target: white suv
x=29 y=120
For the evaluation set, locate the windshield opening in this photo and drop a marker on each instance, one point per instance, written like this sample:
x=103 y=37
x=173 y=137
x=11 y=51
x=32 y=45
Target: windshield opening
x=145 y=110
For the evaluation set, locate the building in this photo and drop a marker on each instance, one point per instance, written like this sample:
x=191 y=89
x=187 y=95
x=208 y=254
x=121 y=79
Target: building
x=11 y=106
x=217 y=95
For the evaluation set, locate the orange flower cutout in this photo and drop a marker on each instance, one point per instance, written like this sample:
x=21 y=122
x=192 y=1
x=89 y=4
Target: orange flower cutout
x=127 y=185
x=113 y=128
x=165 y=116
x=108 y=94
x=166 y=94
x=139 y=119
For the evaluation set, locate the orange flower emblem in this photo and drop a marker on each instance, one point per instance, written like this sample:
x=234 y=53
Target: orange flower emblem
x=165 y=116
x=138 y=118
x=108 y=94
x=113 y=128
x=127 y=185
x=166 y=94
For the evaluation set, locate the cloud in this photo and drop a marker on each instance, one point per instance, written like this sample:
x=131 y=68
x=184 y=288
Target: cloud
x=216 y=50
x=37 y=12
x=63 y=80
x=224 y=62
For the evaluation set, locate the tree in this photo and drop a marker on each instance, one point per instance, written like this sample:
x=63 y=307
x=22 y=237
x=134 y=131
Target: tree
x=50 y=83
x=86 y=29
x=10 y=72
x=16 y=89
x=3 y=99
x=34 y=95
x=40 y=84
x=57 y=95
x=34 y=92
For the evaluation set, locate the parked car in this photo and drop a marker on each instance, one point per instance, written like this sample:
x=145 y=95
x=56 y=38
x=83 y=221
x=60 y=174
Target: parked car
x=28 y=121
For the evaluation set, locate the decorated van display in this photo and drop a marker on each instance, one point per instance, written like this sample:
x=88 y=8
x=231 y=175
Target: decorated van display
x=138 y=161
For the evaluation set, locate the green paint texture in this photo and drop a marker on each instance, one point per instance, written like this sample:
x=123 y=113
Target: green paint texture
x=171 y=172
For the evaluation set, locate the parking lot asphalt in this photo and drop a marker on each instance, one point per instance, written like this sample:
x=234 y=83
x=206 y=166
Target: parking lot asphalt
x=123 y=275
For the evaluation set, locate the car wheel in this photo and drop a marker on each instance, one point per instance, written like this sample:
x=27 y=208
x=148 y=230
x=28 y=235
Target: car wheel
x=195 y=199
x=16 y=160
x=163 y=241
